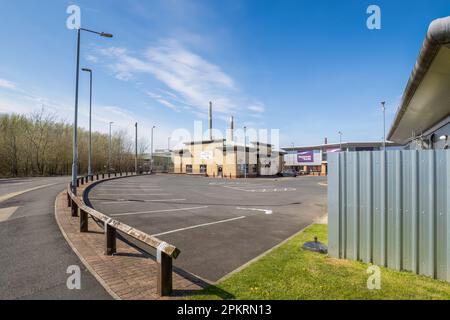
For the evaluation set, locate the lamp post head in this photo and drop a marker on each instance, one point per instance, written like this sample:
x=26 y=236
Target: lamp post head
x=106 y=35
x=86 y=70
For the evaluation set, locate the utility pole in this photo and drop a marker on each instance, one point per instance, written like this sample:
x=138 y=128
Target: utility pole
x=151 y=152
x=109 y=148
x=90 y=122
x=383 y=108
x=245 y=152
x=340 y=140
x=136 y=149
x=75 y=121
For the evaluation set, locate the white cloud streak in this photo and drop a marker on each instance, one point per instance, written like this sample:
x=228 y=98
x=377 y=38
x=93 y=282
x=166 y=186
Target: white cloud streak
x=7 y=84
x=191 y=79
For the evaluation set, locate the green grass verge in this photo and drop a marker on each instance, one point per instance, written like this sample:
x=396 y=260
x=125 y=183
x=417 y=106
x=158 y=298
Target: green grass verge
x=289 y=272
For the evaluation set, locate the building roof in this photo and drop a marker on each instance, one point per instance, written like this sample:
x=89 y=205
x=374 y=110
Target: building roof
x=257 y=143
x=426 y=99
x=359 y=144
x=203 y=141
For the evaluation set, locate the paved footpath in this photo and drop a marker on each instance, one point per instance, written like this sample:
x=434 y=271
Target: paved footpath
x=34 y=256
x=128 y=275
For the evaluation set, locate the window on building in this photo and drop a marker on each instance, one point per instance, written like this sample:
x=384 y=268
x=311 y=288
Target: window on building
x=189 y=168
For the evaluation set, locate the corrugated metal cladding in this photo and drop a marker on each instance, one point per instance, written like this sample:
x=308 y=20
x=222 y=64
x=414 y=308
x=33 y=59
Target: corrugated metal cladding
x=391 y=209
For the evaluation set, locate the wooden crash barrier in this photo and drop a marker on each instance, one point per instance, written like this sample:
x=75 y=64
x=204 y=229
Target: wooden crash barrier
x=164 y=252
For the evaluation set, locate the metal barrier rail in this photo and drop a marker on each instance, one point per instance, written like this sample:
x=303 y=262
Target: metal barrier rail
x=164 y=252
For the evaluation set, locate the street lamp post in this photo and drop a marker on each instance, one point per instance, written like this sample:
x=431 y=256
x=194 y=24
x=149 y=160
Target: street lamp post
x=151 y=151
x=245 y=152
x=136 y=149
x=90 y=122
x=383 y=108
x=340 y=140
x=109 y=147
x=75 y=122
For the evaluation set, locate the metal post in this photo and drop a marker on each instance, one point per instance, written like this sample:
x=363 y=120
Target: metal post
x=109 y=148
x=245 y=152
x=383 y=107
x=90 y=126
x=136 y=150
x=90 y=123
x=151 y=152
x=75 y=122
x=340 y=140
x=164 y=274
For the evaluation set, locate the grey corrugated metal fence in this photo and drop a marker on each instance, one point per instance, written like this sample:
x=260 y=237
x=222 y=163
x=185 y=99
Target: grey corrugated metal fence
x=391 y=209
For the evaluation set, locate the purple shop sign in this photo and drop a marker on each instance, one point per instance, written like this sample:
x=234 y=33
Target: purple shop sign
x=305 y=156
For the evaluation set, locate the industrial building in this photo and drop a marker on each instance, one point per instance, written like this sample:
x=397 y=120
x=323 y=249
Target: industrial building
x=423 y=118
x=312 y=160
x=227 y=158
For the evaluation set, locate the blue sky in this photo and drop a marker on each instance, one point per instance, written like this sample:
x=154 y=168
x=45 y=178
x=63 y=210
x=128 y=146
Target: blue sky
x=307 y=68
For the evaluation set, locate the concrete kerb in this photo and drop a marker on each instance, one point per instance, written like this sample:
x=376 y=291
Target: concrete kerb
x=262 y=255
x=124 y=269
x=85 y=263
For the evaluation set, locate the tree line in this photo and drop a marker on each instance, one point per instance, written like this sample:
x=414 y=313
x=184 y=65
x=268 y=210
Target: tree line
x=40 y=145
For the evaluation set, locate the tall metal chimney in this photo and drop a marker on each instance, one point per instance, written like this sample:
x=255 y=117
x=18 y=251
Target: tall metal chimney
x=210 y=121
x=231 y=131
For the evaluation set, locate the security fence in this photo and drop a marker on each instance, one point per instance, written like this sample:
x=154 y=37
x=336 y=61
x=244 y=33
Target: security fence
x=391 y=209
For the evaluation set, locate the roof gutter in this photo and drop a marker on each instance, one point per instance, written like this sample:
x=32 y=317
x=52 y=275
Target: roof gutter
x=438 y=35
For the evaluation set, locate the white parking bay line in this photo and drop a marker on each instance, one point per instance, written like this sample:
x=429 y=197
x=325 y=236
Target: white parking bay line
x=129 y=190
x=129 y=186
x=198 y=226
x=156 y=211
x=119 y=201
x=131 y=194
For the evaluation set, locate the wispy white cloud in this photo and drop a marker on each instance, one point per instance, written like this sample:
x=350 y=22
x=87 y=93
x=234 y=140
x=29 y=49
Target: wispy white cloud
x=7 y=84
x=160 y=99
x=91 y=58
x=191 y=80
x=258 y=108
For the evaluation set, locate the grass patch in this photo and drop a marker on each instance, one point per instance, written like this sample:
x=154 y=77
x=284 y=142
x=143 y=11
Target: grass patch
x=290 y=273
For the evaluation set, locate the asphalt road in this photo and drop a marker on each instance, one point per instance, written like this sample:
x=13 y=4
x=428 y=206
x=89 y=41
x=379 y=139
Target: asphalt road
x=218 y=225
x=34 y=256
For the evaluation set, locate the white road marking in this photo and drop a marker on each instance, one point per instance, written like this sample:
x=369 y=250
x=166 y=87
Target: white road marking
x=135 y=187
x=5 y=213
x=134 y=190
x=130 y=184
x=156 y=211
x=130 y=194
x=198 y=226
x=15 y=194
x=113 y=185
x=266 y=211
x=264 y=190
x=120 y=201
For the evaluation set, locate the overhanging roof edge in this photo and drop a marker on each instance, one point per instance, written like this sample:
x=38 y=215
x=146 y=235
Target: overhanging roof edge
x=438 y=35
